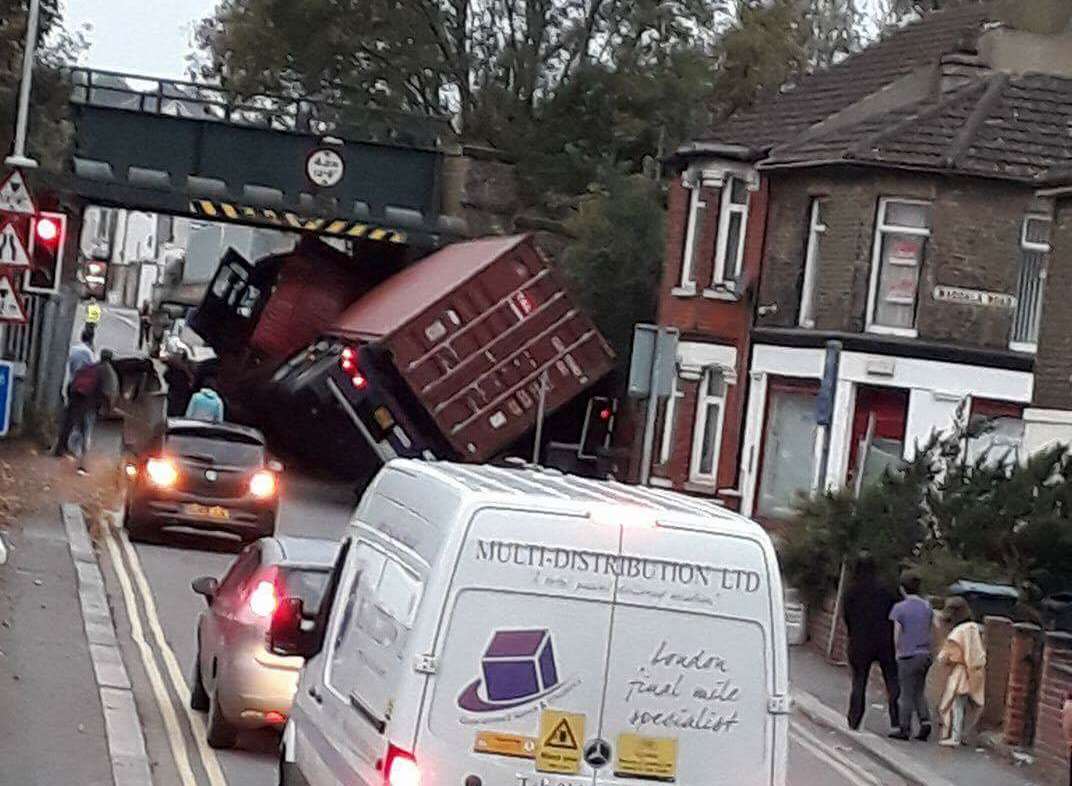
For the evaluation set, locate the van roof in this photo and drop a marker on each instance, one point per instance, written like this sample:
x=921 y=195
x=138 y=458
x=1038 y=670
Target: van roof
x=558 y=488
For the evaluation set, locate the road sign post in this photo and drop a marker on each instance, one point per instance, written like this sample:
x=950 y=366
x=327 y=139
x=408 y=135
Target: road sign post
x=651 y=376
x=29 y=53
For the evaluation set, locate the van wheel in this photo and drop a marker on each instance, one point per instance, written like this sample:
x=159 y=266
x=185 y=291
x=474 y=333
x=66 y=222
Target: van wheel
x=198 y=697
x=221 y=734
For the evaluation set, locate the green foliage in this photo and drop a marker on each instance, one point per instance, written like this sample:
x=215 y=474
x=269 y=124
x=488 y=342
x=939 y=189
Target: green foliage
x=615 y=261
x=987 y=519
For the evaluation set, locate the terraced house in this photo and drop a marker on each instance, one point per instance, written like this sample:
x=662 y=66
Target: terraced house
x=901 y=202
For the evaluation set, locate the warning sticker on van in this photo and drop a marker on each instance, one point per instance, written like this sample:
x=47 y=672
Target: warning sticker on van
x=505 y=744
x=646 y=757
x=559 y=748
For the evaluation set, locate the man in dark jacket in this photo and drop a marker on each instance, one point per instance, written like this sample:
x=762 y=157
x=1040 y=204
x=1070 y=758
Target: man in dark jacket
x=867 y=618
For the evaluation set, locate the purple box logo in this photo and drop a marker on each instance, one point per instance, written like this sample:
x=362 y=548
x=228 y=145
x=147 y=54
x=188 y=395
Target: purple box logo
x=518 y=666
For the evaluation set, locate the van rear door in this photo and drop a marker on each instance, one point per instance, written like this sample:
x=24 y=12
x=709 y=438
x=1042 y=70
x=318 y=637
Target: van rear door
x=695 y=687
x=525 y=629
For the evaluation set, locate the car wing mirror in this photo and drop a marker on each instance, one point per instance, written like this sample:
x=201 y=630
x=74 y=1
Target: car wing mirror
x=290 y=634
x=206 y=586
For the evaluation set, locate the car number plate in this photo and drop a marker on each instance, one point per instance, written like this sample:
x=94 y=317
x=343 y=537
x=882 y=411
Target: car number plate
x=208 y=512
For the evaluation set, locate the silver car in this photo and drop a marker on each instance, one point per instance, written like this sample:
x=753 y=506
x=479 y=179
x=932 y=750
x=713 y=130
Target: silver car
x=236 y=679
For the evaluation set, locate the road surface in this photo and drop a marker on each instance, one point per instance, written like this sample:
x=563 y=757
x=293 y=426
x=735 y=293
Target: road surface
x=158 y=578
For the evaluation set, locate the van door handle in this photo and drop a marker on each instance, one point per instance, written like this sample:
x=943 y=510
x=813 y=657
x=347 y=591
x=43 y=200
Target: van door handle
x=317 y=695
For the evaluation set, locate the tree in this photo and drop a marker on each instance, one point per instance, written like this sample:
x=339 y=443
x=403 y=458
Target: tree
x=616 y=259
x=50 y=129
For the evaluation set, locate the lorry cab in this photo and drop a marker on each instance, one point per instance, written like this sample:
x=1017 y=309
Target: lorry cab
x=517 y=627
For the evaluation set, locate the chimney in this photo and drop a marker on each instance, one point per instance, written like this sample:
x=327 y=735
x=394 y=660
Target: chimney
x=960 y=68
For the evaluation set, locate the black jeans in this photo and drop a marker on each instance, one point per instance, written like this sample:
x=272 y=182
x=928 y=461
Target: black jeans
x=861 y=663
x=913 y=675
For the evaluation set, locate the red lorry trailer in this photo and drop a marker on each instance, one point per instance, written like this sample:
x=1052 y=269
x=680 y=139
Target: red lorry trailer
x=447 y=358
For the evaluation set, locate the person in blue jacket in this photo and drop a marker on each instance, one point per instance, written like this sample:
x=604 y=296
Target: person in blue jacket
x=206 y=403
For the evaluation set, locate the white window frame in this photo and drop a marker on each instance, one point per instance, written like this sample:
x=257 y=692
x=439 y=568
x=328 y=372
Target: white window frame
x=687 y=284
x=699 y=427
x=816 y=229
x=1035 y=247
x=881 y=230
x=666 y=443
x=726 y=209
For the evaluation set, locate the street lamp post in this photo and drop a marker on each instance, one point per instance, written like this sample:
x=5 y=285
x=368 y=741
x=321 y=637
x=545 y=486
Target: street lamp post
x=18 y=156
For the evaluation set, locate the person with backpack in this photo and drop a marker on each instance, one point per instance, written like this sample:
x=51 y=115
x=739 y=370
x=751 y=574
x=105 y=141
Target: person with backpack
x=100 y=389
x=206 y=403
x=80 y=358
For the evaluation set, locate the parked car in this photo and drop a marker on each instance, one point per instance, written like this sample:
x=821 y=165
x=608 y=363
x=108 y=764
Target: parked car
x=236 y=679
x=469 y=600
x=206 y=477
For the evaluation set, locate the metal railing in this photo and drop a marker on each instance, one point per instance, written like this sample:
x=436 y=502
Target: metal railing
x=335 y=117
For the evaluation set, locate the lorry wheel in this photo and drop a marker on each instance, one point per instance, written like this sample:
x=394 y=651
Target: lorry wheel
x=221 y=734
x=198 y=697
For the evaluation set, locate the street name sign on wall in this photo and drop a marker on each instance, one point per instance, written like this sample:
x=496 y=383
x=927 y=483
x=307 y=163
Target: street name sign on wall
x=973 y=297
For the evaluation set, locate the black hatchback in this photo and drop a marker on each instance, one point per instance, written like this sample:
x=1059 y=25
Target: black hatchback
x=200 y=476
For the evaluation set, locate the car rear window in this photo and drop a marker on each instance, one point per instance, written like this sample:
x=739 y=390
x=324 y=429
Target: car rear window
x=306 y=584
x=231 y=452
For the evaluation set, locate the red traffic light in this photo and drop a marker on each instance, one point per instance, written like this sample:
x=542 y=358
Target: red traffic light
x=605 y=413
x=47 y=229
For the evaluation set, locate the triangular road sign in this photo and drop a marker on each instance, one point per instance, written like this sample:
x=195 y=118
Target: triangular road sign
x=11 y=309
x=12 y=249
x=15 y=196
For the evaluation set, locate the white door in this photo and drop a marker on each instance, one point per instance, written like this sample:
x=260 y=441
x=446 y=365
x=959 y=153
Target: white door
x=694 y=664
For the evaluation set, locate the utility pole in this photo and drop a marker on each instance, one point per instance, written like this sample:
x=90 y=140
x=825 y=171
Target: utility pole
x=18 y=156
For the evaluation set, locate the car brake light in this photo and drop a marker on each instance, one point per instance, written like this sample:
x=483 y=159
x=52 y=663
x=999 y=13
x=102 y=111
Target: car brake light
x=262 y=484
x=359 y=381
x=162 y=472
x=400 y=768
x=264 y=600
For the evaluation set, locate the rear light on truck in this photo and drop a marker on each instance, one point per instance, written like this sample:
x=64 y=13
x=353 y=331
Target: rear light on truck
x=359 y=381
x=348 y=363
x=264 y=599
x=263 y=484
x=400 y=768
x=162 y=472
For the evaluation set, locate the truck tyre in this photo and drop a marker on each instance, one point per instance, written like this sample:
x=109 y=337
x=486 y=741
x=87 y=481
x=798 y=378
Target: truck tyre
x=198 y=697
x=221 y=734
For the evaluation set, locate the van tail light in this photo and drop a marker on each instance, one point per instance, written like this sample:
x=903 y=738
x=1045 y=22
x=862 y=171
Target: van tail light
x=400 y=768
x=264 y=599
x=348 y=361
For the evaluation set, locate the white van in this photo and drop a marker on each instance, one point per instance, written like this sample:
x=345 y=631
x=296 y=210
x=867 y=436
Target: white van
x=509 y=627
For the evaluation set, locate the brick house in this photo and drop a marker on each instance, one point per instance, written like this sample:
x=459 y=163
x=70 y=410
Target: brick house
x=890 y=202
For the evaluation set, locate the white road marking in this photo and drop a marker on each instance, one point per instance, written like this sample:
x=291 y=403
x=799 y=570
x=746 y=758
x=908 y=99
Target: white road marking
x=178 y=682
x=852 y=772
x=156 y=681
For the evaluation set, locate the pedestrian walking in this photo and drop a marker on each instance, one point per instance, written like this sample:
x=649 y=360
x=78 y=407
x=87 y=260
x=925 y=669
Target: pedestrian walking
x=913 y=619
x=206 y=403
x=98 y=387
x=145 y=324
x=180 y=381
x=964 y=656
x=80 y=357
x=93 y=312
x=867 y=608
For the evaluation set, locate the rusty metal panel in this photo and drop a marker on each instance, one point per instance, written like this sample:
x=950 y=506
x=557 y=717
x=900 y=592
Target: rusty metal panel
x=475 y=357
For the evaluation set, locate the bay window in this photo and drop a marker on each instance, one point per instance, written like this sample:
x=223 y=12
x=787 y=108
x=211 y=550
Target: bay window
x=732 y=222
x=809 y=291
x=666 y=442
x=707 y=432
x=1034 y=255
x=901 y=233
x=693 y=240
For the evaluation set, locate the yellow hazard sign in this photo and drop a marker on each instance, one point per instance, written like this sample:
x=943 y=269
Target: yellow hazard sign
x=505 y=744
x=646 y=757
x=559 y=748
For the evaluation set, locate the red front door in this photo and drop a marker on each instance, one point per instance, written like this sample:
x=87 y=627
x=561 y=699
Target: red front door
x=889 y=408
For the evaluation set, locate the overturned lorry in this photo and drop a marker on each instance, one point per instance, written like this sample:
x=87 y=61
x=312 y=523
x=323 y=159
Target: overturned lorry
x=454 y=356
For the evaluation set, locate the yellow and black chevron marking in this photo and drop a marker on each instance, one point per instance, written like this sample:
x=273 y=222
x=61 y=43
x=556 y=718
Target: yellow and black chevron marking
x=338 y=227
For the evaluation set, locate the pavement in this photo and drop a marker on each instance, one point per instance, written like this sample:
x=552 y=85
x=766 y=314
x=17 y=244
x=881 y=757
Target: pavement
x=821 y=693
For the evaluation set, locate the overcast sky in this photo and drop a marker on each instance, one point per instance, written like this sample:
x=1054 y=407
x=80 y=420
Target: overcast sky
x=150 y=37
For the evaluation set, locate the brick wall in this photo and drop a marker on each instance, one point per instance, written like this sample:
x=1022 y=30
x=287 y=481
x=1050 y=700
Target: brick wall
x=998 y=636
x=1053 y=364
x=1024 y=664
x=974 y=244
x=820 y=621
x=1051 y=747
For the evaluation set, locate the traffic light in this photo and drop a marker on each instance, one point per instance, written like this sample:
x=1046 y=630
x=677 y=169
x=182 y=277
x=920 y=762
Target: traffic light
x=598 y=426
x=48 y=235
